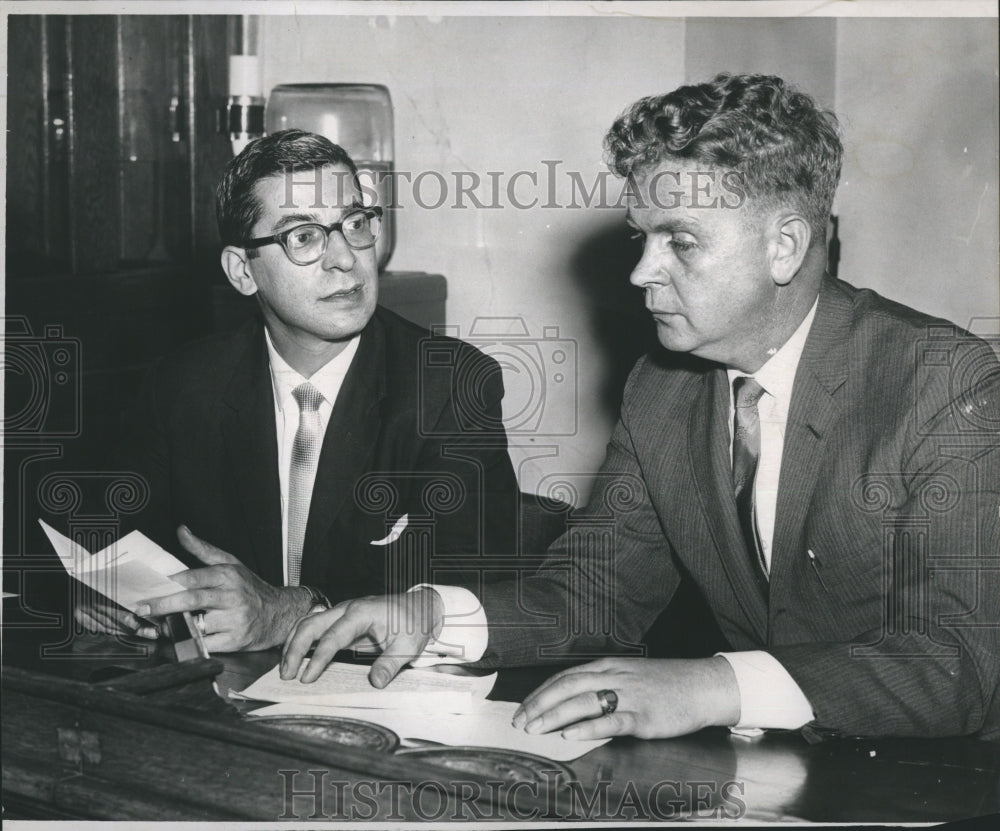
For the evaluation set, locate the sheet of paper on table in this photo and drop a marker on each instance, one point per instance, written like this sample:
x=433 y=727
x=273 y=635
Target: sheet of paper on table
x=128 y=571
x=488 y=726
x=347 y=685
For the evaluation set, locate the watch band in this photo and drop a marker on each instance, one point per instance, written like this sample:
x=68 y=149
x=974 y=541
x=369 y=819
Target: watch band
x=317 y=598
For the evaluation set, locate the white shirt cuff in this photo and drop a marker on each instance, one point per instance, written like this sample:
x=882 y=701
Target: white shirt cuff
x=464 y=635
x=769 y=696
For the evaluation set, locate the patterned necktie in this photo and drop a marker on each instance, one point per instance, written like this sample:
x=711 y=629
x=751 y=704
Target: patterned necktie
x=305 y=454
x=746 y=453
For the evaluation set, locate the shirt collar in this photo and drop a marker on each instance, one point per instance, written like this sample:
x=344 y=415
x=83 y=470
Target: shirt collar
x=327 y=379
x=777 y=374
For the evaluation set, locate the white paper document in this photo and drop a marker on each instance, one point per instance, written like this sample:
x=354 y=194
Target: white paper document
x=489 y=726
x=347 y=685
x=128 y=571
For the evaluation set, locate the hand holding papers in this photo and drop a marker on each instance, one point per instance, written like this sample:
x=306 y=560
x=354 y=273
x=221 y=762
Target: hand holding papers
x=128 y=571
x=236 y=609
x=241 y=611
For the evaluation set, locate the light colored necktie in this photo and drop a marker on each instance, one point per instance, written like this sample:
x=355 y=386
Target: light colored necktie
x=746 y=454
x=302 y=473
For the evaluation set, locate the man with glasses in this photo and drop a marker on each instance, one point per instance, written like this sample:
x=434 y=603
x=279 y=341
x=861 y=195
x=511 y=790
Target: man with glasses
x=313 y=456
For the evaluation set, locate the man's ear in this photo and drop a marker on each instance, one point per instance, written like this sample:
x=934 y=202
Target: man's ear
x=791 y=238
x=235 y=263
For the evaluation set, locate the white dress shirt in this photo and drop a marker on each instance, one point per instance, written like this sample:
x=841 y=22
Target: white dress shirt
x=769 y=696
x=776 y=377
x=328 y=380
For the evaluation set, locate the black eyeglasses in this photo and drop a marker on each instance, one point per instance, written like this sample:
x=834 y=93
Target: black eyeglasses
x=305 y=244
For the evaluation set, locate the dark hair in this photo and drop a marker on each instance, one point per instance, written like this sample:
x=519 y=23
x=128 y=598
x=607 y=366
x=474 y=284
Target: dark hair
x=236 y=207
x=785 y=148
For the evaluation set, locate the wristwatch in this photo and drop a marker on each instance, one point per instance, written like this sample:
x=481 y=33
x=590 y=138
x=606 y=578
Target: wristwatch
x=317 y=600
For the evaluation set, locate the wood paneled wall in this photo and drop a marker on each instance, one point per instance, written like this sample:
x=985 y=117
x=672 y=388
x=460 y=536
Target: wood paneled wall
x=112 y=150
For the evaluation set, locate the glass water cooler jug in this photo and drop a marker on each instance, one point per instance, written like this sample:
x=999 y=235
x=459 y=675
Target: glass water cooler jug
x=358 y=117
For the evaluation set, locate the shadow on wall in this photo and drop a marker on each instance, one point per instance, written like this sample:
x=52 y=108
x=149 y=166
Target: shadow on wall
x=623 y=329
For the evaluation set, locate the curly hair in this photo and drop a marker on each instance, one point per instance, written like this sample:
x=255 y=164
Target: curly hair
x=236 y=207
x=785 y=148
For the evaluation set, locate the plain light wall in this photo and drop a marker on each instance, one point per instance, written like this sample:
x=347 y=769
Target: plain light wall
x=800 y=50
x=918 y=195
x=508 y=94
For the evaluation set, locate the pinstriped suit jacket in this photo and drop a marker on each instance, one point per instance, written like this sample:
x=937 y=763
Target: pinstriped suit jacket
x=890 y=476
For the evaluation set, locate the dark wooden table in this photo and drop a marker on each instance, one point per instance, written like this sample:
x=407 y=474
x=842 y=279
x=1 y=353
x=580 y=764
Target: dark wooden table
x=91 y=731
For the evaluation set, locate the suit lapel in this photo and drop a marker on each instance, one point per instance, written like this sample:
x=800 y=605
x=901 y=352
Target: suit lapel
x=347 y=445
x=251 y=448
x=712 y=469
x=815 y=407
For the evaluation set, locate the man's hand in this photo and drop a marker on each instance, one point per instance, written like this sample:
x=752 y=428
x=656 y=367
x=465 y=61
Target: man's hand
x=241 y=611
x=99 y=615
x=400 y=625
x=656 y=699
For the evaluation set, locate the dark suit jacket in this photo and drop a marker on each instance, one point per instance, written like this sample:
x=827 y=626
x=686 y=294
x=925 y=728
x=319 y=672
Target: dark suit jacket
x=890 y=476
x=416 y=430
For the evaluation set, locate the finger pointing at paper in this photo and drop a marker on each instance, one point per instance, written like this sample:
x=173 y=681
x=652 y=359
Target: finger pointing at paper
x=399 y=625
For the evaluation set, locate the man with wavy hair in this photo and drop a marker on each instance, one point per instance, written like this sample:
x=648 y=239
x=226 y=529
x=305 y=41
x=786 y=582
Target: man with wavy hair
x=812 y=454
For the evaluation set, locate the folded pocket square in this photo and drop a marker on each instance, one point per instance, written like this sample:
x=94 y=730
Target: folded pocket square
x=396 y=532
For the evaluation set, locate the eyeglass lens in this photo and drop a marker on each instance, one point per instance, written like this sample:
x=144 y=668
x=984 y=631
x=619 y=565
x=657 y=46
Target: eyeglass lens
x=307 y=243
